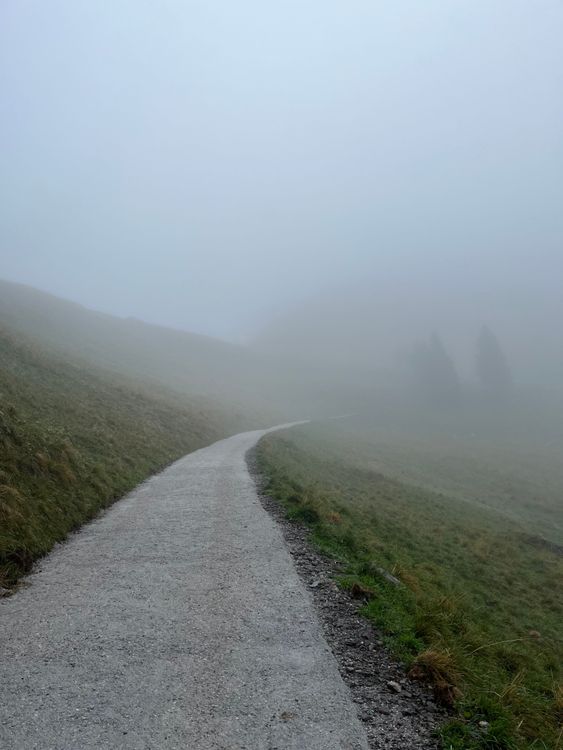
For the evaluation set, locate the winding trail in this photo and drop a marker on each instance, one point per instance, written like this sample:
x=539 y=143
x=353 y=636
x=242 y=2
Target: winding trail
x=175 y=620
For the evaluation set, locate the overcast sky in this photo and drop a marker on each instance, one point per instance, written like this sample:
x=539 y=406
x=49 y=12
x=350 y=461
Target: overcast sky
x=206 y=164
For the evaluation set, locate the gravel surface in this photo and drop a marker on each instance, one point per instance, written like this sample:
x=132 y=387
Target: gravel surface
x=175 y=620
x=398 y=713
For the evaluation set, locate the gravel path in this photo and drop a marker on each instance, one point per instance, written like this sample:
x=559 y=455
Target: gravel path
x=176 y=620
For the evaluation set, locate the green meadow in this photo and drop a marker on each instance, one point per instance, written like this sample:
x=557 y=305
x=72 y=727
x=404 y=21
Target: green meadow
x=465 y=510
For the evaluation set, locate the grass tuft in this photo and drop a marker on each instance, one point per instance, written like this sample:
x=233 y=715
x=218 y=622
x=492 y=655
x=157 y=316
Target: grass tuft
x=438 y=668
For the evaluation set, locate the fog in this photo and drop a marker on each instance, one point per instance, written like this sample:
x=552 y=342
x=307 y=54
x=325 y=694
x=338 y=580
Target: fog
x=319 y=179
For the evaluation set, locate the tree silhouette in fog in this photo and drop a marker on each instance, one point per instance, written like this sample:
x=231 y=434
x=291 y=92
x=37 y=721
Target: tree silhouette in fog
x=492 y=369
x=435 y=375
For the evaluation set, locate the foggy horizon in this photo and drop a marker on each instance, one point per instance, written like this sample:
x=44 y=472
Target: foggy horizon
x=212 y=168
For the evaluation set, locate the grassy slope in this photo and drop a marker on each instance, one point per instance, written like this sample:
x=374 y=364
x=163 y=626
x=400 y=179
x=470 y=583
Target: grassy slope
x=73 y=439
x=505 y=458
x=476 y=583
x=183 y=361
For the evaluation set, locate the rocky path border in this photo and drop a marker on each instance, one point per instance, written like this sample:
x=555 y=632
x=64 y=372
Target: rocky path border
x=398 y=713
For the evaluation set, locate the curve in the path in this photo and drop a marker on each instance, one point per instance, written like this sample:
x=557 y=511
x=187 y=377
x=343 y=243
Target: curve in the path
x=175 y=620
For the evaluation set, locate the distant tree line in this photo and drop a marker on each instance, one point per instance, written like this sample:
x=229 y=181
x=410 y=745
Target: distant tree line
x=437 y=381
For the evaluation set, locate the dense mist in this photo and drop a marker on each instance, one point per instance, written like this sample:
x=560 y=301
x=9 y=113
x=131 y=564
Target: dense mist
x=335 y=179
x=375 y=324
x=293 y=270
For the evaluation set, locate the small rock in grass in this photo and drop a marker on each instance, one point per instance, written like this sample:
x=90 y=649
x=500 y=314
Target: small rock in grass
x=394 y=686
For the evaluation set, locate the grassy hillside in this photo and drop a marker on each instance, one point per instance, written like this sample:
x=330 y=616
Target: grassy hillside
x=481 y=604
x=186 y=362
x=74 y=439
x=505 y=458
x=267 y=384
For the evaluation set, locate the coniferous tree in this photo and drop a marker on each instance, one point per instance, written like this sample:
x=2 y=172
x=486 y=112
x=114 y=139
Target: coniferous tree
x=435 y=373
x=492 y=369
